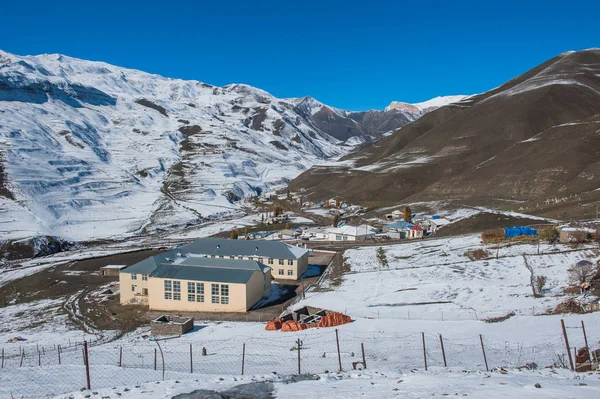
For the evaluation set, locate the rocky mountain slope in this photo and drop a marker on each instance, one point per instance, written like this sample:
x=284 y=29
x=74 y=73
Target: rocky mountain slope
x=534 y=137
x=89 y=150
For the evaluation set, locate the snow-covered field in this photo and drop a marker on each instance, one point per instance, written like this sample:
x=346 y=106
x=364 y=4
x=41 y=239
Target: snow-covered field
x=367 y=384
x=428 y=289
x=434 y=280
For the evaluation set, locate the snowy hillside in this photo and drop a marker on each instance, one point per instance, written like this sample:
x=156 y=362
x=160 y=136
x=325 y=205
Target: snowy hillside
x=89 y=150
x=425 y=106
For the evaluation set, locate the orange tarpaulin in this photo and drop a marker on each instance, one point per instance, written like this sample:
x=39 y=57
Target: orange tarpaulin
x=329 y=320
x=334 y=319
x=273 y=325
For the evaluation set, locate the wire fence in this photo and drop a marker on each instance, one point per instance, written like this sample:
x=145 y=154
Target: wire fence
x=62 y=370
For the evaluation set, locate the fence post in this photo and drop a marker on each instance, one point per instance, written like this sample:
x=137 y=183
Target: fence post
x=337 y=340
x=2 y=357
x=298 y=344
x=59 y=361
x=155 y=359
x=362 y=348
x=587 y=347
x=243 y=357
x=87 y=364
x=443 y=351
x=39 y=358
x=22 y=357
x=575 y=356
x=424 y=352
x=562 y=323
x=120 y=356
x=191 y=361
x=483 y=350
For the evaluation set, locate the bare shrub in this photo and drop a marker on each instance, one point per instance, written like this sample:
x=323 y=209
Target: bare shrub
x=582 y=272
x=494 y=235
x=540 y=282
x=477 y=254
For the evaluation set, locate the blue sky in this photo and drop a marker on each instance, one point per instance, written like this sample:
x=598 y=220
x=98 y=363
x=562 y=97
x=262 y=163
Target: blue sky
x=352 y=55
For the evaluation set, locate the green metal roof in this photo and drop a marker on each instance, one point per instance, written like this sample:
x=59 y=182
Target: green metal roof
x=202 y=273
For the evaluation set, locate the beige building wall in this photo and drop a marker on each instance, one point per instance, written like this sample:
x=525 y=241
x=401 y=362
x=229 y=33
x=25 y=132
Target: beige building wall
x=133 y=288
x=241 y=296
x=292 y=270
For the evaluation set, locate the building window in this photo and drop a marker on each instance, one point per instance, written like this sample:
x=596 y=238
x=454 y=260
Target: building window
x=338 y=238
x=133 y=288
x=270 y=261
x=173 y=290
x=240 y=257
x=195 y=292
x=221 y=256
x=144 y=277
x=290 y=272
x=215 y=299
x=250 y=258
x=281 y=272
x=212 y=256
x=260 y=260
x=281 y=261
x=144 y=291
x=224 y=290
x=290 y=262
x=134 y=276
x=224 y=300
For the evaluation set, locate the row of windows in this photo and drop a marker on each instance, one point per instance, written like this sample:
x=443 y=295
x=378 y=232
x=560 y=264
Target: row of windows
x=270 y=260
x=144 y=290
x=144 y=277
x=219 y=292
x=289 y=272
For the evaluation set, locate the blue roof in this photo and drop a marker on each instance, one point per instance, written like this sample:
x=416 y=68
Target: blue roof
x=399 y=225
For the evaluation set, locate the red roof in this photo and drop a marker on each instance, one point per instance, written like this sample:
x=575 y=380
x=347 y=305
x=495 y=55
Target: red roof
x=418 y=228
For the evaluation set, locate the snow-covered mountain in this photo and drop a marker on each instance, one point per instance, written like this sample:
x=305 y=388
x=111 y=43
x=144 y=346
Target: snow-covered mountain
x=421 y=108
x=89 y=150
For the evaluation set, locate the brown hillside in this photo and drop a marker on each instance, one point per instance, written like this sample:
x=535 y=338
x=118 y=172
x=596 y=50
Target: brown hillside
x=535 y=136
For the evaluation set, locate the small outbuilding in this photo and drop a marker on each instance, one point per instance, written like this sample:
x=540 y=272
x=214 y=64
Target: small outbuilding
x=171 y=325
x=111 y=270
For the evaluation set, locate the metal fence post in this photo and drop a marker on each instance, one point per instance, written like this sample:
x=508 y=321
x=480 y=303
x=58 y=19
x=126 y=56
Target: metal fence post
x=155 y=359
x=120 y=356
x=587 y=347
x=562 y=323
x=424 y=351
x=87 y=364
x=337 y=340
x=362 y=348
x=191 y=360
x=298 y=343
x=443 y=351
x=59 y=360
x=243 y=357
x=483 y=350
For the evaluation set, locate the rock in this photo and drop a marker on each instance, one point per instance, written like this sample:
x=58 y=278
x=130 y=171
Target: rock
x=537 y=385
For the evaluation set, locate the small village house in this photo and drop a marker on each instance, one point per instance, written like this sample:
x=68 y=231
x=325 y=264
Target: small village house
x=402 y=229
x=351 y=233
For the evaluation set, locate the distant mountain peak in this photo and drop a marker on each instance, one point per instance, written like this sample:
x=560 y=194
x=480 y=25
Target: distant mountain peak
x=425 y=106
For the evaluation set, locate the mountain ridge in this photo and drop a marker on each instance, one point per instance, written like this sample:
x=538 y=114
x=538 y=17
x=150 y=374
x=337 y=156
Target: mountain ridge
x=91 y=150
